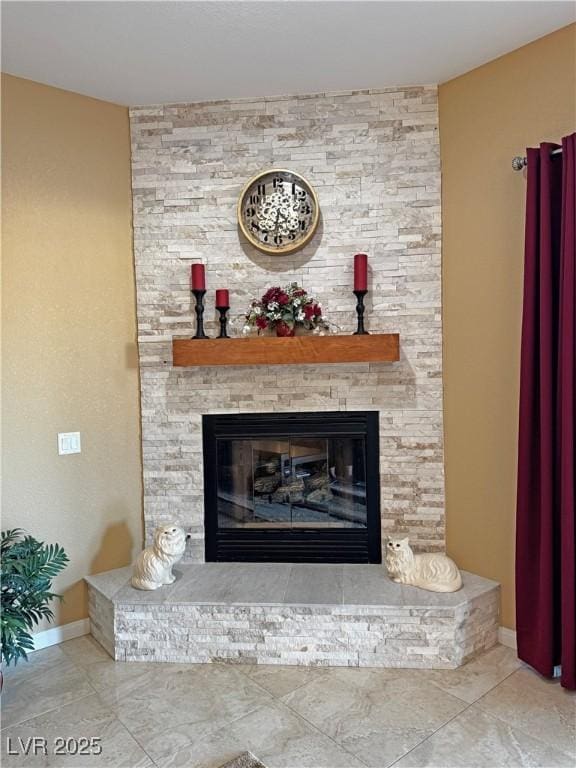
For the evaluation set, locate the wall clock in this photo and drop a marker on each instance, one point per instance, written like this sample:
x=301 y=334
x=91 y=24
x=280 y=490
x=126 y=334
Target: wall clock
x=278 y=211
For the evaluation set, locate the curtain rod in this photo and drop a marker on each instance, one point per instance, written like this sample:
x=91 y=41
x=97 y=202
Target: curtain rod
x=519 y=162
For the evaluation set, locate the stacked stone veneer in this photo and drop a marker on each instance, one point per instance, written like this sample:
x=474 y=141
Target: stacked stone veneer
x=373 y=158
x=430 y=631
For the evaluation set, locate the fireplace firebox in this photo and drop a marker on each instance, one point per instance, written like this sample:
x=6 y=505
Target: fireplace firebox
x=292 y=487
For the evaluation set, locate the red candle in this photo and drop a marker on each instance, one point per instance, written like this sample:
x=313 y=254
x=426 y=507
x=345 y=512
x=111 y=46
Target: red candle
x=198 y=278
x=360 y=272
x=222 y=298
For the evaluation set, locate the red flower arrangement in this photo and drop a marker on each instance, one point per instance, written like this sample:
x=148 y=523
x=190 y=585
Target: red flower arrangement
x=285 y=309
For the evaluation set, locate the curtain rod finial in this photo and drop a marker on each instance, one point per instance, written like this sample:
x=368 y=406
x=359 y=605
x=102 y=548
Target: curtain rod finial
x=518 y=163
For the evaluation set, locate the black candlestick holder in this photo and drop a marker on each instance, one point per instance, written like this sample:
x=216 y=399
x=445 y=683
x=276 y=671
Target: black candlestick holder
x=223 y=322
x=199 y=296
x=360 y=308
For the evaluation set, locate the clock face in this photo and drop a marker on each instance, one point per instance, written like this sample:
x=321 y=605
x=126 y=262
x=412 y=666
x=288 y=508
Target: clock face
x=278 y=211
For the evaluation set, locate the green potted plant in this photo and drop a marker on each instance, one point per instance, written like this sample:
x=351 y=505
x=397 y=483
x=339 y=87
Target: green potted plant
x=27 y=569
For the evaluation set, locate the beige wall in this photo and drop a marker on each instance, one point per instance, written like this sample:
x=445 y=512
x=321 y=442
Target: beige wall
x=69 y=330
x=486 y=117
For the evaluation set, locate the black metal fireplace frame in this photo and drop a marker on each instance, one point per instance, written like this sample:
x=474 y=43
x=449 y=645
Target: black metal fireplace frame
x=346 y=545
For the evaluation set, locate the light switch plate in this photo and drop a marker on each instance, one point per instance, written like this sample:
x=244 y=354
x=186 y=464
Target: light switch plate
x=69 y=442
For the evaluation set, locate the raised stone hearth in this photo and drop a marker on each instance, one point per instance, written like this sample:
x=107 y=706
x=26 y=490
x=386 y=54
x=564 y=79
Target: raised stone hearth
x=256 y=613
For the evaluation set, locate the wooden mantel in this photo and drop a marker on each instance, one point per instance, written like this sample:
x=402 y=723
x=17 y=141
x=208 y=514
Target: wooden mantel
x=298 y=350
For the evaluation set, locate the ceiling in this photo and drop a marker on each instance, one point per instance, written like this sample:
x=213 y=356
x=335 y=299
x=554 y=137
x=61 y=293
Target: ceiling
x=158 y=52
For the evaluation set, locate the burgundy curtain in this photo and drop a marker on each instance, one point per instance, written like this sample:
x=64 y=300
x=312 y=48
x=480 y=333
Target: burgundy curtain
x=545 y=521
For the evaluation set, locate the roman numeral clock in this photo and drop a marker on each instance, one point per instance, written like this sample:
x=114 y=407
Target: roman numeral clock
x=278 y=211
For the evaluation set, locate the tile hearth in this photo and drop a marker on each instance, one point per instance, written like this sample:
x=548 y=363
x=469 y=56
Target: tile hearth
x=292 y=614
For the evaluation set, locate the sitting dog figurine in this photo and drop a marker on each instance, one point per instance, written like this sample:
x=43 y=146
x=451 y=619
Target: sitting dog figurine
x=153 y=568
x=432 y=571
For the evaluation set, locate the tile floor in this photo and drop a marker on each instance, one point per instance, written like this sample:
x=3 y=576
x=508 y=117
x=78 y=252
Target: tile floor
x=492 y=712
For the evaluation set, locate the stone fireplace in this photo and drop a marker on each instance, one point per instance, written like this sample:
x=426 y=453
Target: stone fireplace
x=252 y=458
x=373 y=159
x=292 y=487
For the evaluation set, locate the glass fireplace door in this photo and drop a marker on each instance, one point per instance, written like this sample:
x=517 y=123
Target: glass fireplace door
x=294 y=482
x=292 y=487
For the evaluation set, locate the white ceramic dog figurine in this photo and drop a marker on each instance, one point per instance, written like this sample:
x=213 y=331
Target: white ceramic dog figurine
x=432 y=570
x=153 y=568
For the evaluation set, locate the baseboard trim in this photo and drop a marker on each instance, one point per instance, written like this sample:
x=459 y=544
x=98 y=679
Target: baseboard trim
x=507 y=637
x=60 y=634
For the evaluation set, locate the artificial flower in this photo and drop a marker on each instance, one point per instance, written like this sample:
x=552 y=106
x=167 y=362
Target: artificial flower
x=285 y=308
